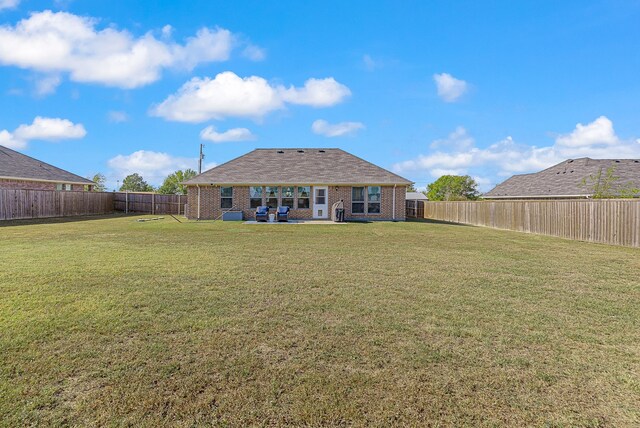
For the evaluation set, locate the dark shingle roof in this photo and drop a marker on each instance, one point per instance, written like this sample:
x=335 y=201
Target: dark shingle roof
x=565 y=178
x=17 y=165
x=298 y=166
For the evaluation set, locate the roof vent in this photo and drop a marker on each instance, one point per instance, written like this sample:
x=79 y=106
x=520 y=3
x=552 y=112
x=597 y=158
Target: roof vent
x=320 y=151
x=636 y=161
x=570 y=160
x=280 y=151
x=617 y=161
x=300 y=151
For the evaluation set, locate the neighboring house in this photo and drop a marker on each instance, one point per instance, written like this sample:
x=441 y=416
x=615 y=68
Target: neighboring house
x=416 y=196
x=21 y=172
x=309 y=181
x=565 y=180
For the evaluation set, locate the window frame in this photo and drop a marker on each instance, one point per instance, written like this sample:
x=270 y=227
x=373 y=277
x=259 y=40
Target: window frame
x=292 y=197
x=253 y=198
x=303 y=198
x=365 y=202
x=226 y=198
x=277 y=195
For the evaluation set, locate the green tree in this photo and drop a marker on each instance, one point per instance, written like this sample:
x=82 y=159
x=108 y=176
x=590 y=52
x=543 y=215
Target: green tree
x=135 y=183
x=602 y=185
x=100 y=181
x=411 y=188
x=172 y=185
x=453 y=188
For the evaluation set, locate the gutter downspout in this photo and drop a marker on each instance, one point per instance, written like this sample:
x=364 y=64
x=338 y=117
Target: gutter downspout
x=197 y=185
x=393 y=216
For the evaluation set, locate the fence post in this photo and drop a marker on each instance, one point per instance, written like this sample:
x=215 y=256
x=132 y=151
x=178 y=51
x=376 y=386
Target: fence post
x=153 y=203
x=126 y=202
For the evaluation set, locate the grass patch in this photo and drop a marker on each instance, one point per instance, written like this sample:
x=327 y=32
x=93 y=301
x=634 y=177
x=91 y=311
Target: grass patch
x=112 y=322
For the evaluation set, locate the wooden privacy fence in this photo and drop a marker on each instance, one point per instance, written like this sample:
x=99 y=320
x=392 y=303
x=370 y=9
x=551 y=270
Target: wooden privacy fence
x=415 y=209
x=149 y=203
x=26 y=204
x=608 y=221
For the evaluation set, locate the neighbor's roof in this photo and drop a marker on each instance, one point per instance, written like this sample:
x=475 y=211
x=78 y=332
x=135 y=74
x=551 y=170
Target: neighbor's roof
x=298 y=166
x=565 y=178
x=411 y=196
x=14 y=165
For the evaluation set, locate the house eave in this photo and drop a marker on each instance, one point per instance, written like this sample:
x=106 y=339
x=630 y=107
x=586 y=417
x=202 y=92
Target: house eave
x=43 y=180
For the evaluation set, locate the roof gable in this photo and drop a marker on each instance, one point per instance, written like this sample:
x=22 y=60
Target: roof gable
x=298 y=166
x=565 y=179
x=16 y=165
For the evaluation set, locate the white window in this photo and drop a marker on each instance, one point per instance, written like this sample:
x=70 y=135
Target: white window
x=255 y=196
x=304 y=193
x=365 y=200
x=226 y=197
x=287 y=197
x=272 y=196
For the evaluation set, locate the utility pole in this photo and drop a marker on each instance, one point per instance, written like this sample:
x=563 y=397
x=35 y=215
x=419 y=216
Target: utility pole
x=200 y=159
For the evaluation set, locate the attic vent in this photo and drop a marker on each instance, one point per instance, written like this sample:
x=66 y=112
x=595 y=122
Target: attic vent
x=570 y=160
x=617 y=161
x=300 y=151
x=320 y=151
x=280 y=151
x=636 y=161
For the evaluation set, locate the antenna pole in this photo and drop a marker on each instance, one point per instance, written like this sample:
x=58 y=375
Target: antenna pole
x=200 y=159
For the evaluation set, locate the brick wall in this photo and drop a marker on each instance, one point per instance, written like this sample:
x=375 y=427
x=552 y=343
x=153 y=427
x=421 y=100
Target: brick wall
x=210 y=203
x=34 y=185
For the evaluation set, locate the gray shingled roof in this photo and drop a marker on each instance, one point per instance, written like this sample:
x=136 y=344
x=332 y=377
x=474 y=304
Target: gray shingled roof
x=565 y=178
x=298 y=166
x=416 y=196
x=17 y=165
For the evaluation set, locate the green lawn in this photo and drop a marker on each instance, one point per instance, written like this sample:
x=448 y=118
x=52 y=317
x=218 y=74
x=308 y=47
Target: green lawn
x=112 y=322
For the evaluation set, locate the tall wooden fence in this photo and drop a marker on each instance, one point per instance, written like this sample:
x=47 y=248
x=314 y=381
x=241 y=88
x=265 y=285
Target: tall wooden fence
x=26 y=204
x=608 y=221
x=415 y=208
x=149 y=203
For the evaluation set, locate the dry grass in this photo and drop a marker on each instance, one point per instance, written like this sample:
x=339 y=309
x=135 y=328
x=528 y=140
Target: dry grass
x=117 y=323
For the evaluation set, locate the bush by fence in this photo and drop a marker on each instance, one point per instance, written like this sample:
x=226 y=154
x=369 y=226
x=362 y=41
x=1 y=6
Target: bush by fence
x=608 y=221
x=26 y=204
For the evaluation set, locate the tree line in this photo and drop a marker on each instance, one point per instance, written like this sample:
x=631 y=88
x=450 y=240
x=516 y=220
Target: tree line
x=172 y=184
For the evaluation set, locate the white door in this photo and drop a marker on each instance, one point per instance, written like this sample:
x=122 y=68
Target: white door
x=320 y=202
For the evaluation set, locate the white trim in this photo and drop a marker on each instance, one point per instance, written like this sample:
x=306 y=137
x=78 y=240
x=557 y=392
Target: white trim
x=393 y=214
x=198 y=201
x=324 y=207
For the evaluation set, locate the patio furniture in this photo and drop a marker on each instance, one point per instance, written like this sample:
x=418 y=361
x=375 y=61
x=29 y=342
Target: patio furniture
x=283 y=213
x=262 y=213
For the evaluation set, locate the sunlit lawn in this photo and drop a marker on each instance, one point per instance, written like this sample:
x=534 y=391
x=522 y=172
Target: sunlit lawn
x=119 y=323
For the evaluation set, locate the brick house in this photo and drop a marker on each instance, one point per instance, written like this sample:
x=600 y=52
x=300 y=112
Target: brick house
x=22 y=172
x=309 y=181
x=571 y=179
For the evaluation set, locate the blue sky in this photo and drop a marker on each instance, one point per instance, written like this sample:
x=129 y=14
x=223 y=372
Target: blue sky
x=422 y=88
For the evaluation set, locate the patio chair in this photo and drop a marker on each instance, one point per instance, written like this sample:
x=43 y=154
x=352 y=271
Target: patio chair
x=262 y=213
x=283 y=214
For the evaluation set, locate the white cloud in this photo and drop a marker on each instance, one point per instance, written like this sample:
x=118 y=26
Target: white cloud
x=47 y=85
x=116 y=116
x=8 y=4
x=317 y=93
x=8 y=140
x=459 y=139
x=236 y=134
x=506 y=157
x=153 y=166
x=369 y=63
x=449 y=88
x=598 y=132
x=61 y=42
x=322 y=127
x=254 y=53
x=42 y=128
x=228 y=95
